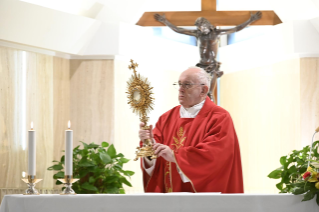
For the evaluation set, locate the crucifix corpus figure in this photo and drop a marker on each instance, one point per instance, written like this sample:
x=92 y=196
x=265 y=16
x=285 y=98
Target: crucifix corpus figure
x=207 y=36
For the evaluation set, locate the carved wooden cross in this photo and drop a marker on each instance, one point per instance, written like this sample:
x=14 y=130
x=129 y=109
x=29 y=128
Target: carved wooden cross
x=217 y=18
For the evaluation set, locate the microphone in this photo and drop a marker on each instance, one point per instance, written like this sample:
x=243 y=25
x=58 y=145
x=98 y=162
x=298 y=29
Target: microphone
x=317 y=130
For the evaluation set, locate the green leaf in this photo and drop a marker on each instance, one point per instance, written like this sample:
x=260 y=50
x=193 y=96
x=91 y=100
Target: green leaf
x=84 y=145
x=56 y=167
x=298 y=190
x=276 y=174
x=93 y=145
x=292 y=169
x=62 y=159
x=112 y=190
x=119 y=155
x=309 y=195
x=92 y=179
x=58 y=175
x=58 y=182
x=105 y=144
x=122 y=191
x=279 y=186
x=124 y=180
x=86 y=164
x=111 y=151
x=124 y=160
x=105 y=158
x=88 y=186
x=283 y=160
x=128 y=173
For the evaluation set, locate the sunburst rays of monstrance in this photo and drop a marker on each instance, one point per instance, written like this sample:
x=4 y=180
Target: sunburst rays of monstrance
x=141 y=101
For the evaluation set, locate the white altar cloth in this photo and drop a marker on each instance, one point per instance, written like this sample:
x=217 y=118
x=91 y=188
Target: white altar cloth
x=155 y=202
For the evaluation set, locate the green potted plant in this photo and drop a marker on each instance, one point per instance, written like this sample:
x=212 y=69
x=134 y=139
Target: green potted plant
x=296 y=177
x=100 y=170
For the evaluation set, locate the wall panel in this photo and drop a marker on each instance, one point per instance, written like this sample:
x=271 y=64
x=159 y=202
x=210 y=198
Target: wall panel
x=264 y=103
x=92 y=100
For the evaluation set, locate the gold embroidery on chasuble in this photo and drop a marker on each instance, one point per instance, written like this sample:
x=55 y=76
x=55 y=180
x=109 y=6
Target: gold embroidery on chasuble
x=179 y=141
x=168 y=178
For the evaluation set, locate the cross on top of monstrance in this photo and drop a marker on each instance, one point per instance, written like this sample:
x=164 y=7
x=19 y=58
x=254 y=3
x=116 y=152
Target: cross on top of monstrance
x=141 y=101
x=133 y=66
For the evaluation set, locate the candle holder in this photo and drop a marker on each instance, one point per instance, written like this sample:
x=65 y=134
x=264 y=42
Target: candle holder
x=31 y=181
x=67 y=181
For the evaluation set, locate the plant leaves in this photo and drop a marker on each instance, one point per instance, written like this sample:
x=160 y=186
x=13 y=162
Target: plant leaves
x=283 y=160
x=128 y=173
x=124 y=160
x=58 y=175
x=84 y=145
x=56 y=167
x=92 y=179
x=86 y=164
x=279 y=185
x=122 y=191
x=292 y=169
x=309 y=195
x=88 y=186
x=62 y=159
x=298 y=190
x=276 y=174
x=124 y=180
x=111 y=151
x=92 y=146
x=105 y=158
x=105 y=144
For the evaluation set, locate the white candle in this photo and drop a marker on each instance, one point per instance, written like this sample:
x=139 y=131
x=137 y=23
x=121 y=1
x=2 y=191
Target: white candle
x=31 y=152
x=68 y=151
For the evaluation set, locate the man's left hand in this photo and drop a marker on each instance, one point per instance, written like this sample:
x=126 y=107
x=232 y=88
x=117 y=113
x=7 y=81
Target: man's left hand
x=164 y=151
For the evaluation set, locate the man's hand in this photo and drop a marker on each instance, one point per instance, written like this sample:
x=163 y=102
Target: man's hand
x=256 y=16
x=145 y=134
x=164 y=151
x=160 y=18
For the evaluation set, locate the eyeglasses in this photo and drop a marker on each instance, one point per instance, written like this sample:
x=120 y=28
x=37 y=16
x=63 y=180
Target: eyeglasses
x=184 y=85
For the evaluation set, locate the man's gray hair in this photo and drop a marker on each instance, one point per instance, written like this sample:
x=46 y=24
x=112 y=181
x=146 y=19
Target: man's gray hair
x=203 y=77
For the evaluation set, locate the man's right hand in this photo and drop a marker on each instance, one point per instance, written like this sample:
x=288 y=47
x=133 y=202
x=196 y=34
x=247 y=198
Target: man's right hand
x=160 y=18
x=145 y=134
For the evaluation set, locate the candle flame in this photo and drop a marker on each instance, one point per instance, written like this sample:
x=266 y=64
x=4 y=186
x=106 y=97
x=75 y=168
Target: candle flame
x=23 y=174
x=69 y=124
x=31 y=125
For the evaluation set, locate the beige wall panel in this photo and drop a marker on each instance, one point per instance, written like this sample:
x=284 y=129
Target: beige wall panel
x=61 y=103
x=309 y=99
x=92 y=100
x=265 y=106
x=10 y=148
x=44 y=121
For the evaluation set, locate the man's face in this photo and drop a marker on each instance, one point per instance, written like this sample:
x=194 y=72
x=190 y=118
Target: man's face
x=204 y=28
x=193 y=95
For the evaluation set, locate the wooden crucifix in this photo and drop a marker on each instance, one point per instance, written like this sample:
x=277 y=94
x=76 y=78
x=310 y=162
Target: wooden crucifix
x=207 y=34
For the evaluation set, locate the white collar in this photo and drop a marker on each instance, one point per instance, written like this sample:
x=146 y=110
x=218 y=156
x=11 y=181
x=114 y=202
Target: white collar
x=192 y=111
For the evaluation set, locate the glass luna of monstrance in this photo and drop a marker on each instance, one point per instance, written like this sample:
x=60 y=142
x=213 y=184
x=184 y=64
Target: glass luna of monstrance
x=140 y=99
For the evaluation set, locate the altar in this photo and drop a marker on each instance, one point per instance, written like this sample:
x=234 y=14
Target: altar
x=158 y=202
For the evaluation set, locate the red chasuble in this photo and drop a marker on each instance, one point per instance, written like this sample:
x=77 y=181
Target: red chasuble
x=206 y=150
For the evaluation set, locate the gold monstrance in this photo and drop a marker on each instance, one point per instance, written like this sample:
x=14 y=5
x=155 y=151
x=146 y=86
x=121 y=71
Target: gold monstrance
x=139 y=96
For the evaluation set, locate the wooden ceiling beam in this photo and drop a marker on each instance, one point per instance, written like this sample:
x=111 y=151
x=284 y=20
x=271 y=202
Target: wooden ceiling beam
x=217 y=18
x=209 y=5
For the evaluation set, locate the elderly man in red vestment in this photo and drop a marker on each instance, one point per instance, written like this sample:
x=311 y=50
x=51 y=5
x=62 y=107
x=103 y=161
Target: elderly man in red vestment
x=196 y=144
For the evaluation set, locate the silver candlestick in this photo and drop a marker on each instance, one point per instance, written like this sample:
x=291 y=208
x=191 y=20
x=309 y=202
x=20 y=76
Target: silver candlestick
x=68 y=180
x=31 y=181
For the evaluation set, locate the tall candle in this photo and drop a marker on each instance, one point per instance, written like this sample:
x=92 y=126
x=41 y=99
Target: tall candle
x=68 y=162
x=31 y=152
